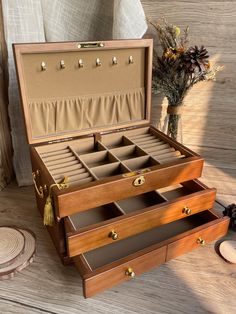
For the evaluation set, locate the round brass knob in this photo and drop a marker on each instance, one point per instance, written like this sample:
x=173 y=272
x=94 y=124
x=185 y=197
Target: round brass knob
x=113 y=234
x=129 y=272
x=201 y=241
x=187 y=210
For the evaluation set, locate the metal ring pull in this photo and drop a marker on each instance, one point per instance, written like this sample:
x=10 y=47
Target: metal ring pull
x=129 y=272
x=201 y=241
x=40 y=189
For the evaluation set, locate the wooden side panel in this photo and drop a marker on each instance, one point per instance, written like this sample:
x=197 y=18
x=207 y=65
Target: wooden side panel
x=190 y=242
x=111 y=275
x=99 y=194
x=128 y=225
x=56 y=232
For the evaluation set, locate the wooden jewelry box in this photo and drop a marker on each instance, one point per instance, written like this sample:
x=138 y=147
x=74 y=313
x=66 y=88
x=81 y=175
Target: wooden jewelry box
x=124 y=196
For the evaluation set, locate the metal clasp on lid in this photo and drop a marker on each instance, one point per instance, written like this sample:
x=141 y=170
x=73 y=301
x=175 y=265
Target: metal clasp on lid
x=91 y=45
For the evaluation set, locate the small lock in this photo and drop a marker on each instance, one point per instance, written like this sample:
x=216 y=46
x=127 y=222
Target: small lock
x=139 y=181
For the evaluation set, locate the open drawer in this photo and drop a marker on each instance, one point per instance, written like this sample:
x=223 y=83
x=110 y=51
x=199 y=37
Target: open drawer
x=113 y=167
x=103 y=225
x=104 y=267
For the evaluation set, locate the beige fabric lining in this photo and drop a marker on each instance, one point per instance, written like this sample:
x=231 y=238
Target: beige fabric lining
x=52 y=116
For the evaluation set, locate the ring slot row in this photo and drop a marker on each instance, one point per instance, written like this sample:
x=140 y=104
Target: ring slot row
x=158 y=149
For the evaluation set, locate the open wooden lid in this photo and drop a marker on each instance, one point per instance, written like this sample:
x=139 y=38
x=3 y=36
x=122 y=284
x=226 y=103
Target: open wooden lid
x=72 y=89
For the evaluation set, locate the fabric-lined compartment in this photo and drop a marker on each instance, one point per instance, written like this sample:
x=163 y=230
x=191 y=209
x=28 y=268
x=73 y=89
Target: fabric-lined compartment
x=172 y=192
x=55 y=116
x=94 y=215
x=128 y=152
x=115 y=140
x=139 y=163
x=87 y=147
x=161 y=151
x=66 y=164
x=115 y=251
x=109 y=170
x=97 y=159
x=140 y=201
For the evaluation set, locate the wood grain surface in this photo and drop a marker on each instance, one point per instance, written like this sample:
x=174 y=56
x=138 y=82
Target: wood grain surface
x=198 y=282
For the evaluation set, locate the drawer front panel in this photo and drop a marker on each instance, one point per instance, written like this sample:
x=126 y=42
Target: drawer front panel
x=197 y=239
x=100 y=281
x=110 y=274
x=68 y=203
x=129 y=225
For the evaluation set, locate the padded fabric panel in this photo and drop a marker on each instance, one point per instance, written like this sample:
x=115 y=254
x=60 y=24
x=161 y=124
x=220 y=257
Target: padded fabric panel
x=60 y=115
x=91 y=79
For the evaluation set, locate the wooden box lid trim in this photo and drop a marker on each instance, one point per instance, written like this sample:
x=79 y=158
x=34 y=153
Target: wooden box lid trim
x=70 y=89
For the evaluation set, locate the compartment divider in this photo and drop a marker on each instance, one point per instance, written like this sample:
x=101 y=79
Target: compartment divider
x=83 y=163
x=119 y=208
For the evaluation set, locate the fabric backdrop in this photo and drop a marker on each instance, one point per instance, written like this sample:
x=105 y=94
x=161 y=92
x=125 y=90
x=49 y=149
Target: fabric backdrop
x=60 y=20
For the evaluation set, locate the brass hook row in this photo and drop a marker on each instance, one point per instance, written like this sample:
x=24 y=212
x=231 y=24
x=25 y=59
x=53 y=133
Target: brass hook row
x=81 y=63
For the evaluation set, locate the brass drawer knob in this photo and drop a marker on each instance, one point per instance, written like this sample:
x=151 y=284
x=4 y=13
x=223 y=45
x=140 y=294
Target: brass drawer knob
x=129 y=272
x=139 y=181
x=187 y=210
x=201 y=241
x=113 y=234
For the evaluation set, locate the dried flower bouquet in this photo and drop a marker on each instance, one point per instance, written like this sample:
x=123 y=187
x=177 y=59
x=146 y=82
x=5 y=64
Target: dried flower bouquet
x=177 y=69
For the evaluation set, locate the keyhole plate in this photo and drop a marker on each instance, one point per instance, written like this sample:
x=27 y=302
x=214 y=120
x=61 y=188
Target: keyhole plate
x=139 y=181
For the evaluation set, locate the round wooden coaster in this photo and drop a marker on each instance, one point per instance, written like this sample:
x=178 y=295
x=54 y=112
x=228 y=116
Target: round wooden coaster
x=12 y=243
x=24 y=259
x=227 y=249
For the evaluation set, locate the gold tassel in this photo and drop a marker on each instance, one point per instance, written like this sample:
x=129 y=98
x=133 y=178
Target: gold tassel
x=48 y=218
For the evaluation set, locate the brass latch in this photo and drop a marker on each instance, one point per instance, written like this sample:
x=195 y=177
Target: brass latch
x=39 y=190
x=91 y=45
x=48 y=218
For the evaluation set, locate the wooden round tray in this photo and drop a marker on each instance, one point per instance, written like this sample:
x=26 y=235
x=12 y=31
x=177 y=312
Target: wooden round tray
x=227 y=250
x=12 y=243
x=23 y=259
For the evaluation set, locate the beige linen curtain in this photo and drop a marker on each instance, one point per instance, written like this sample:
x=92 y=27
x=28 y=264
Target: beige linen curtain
x=6 y=167
x=60 y=20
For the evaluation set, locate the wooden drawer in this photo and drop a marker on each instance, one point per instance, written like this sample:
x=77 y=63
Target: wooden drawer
x=104 y=267
x=103 y=225
x=109 y=169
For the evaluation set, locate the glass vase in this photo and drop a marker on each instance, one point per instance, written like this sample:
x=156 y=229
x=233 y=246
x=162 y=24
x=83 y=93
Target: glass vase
x=173 y=123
